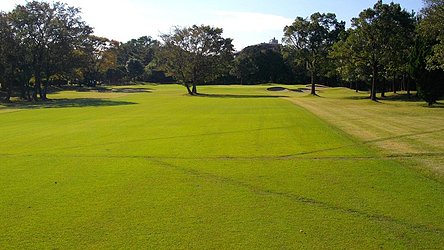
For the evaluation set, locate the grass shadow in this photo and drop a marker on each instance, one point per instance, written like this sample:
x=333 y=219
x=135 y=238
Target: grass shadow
x=98 y=89
x=239 y=96
x=65 y=103
x=131 y=90
x=438 y=105
x=402 y=97
x=355 y=97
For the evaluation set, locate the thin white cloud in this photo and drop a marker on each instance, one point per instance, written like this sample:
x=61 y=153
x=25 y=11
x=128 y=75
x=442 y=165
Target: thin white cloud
x=249 y=28
x=249 y=21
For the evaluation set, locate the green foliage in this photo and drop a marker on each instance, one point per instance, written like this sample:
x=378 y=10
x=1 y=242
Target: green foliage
x=260 y=63
x=313 y=38
x=195 y=55
x=48 y=34
x=135 y=68
x=379 y=42
x=430 y=82
x=142 y=49
x=8 y=56
x=115 y=75
x=432 y=27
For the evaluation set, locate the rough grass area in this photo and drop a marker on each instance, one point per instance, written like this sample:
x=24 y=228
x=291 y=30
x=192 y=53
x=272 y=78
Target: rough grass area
x=238 y=167
x=398 y=126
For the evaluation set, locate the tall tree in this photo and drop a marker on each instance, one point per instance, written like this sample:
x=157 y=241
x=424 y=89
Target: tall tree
x=314 y=37
x=44 y=30
x=349 y=66
x=8 y=58
x=427 y=58
x=98 y=55
x=379 y=40
x=432 y=27
x=195 y=55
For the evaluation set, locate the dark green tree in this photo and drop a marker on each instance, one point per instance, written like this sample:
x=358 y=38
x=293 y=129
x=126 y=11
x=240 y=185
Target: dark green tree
x=48 y=33
x=426 y=59
x=379 y=41
x=260 y=64
x=429 y=82
x=313 y=38
x=135 y=68
x=195 y=55
x=432 y=27
x=142 y=48
x=8 y=58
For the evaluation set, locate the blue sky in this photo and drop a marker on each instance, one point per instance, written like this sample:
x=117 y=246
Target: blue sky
x=246 y=21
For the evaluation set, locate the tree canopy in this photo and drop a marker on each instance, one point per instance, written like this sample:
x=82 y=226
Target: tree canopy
x=313 y=38
x=195 y=55
x=380 y=37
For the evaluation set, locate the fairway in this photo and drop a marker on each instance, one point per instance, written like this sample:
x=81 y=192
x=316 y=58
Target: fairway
x=239 y=167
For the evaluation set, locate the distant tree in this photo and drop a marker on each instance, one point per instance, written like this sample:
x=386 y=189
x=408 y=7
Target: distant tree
x=313 y=38
x=98 y=55
x=135 y=68
x=115 y=75
x=260 y=63
x=195 y=55
x=244 y=68
x=142 y=48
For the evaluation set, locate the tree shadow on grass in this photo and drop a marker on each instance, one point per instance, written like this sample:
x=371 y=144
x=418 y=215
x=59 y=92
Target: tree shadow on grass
x=355 y=97
x=98 y=89
x=403 y=98
x=65 y=103
x=239 y=96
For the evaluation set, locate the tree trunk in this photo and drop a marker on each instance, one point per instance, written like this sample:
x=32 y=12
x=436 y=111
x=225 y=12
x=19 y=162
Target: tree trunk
x=44 y=91
x=188 y=89
x=408 y=87
x=384 y=83
x=394 y=84
x=374 y=79
x=8 y=93
x=37 y=86
x=194 y=88
x=357 y=86
x=25 y=91
x=313 y=86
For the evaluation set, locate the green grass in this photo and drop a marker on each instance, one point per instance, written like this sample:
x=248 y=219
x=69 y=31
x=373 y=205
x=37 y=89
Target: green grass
x=238 y=168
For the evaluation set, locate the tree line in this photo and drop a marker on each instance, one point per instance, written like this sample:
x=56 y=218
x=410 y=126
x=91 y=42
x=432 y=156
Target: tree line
x=386 y=49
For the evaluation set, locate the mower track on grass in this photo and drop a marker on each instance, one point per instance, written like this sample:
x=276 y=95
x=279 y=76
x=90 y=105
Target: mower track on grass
x=298 y=198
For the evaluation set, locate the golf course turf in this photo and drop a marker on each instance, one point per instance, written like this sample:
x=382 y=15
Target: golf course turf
x=238 y=167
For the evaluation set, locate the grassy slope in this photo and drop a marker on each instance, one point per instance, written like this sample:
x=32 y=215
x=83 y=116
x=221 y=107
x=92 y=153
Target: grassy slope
x=167 y=170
